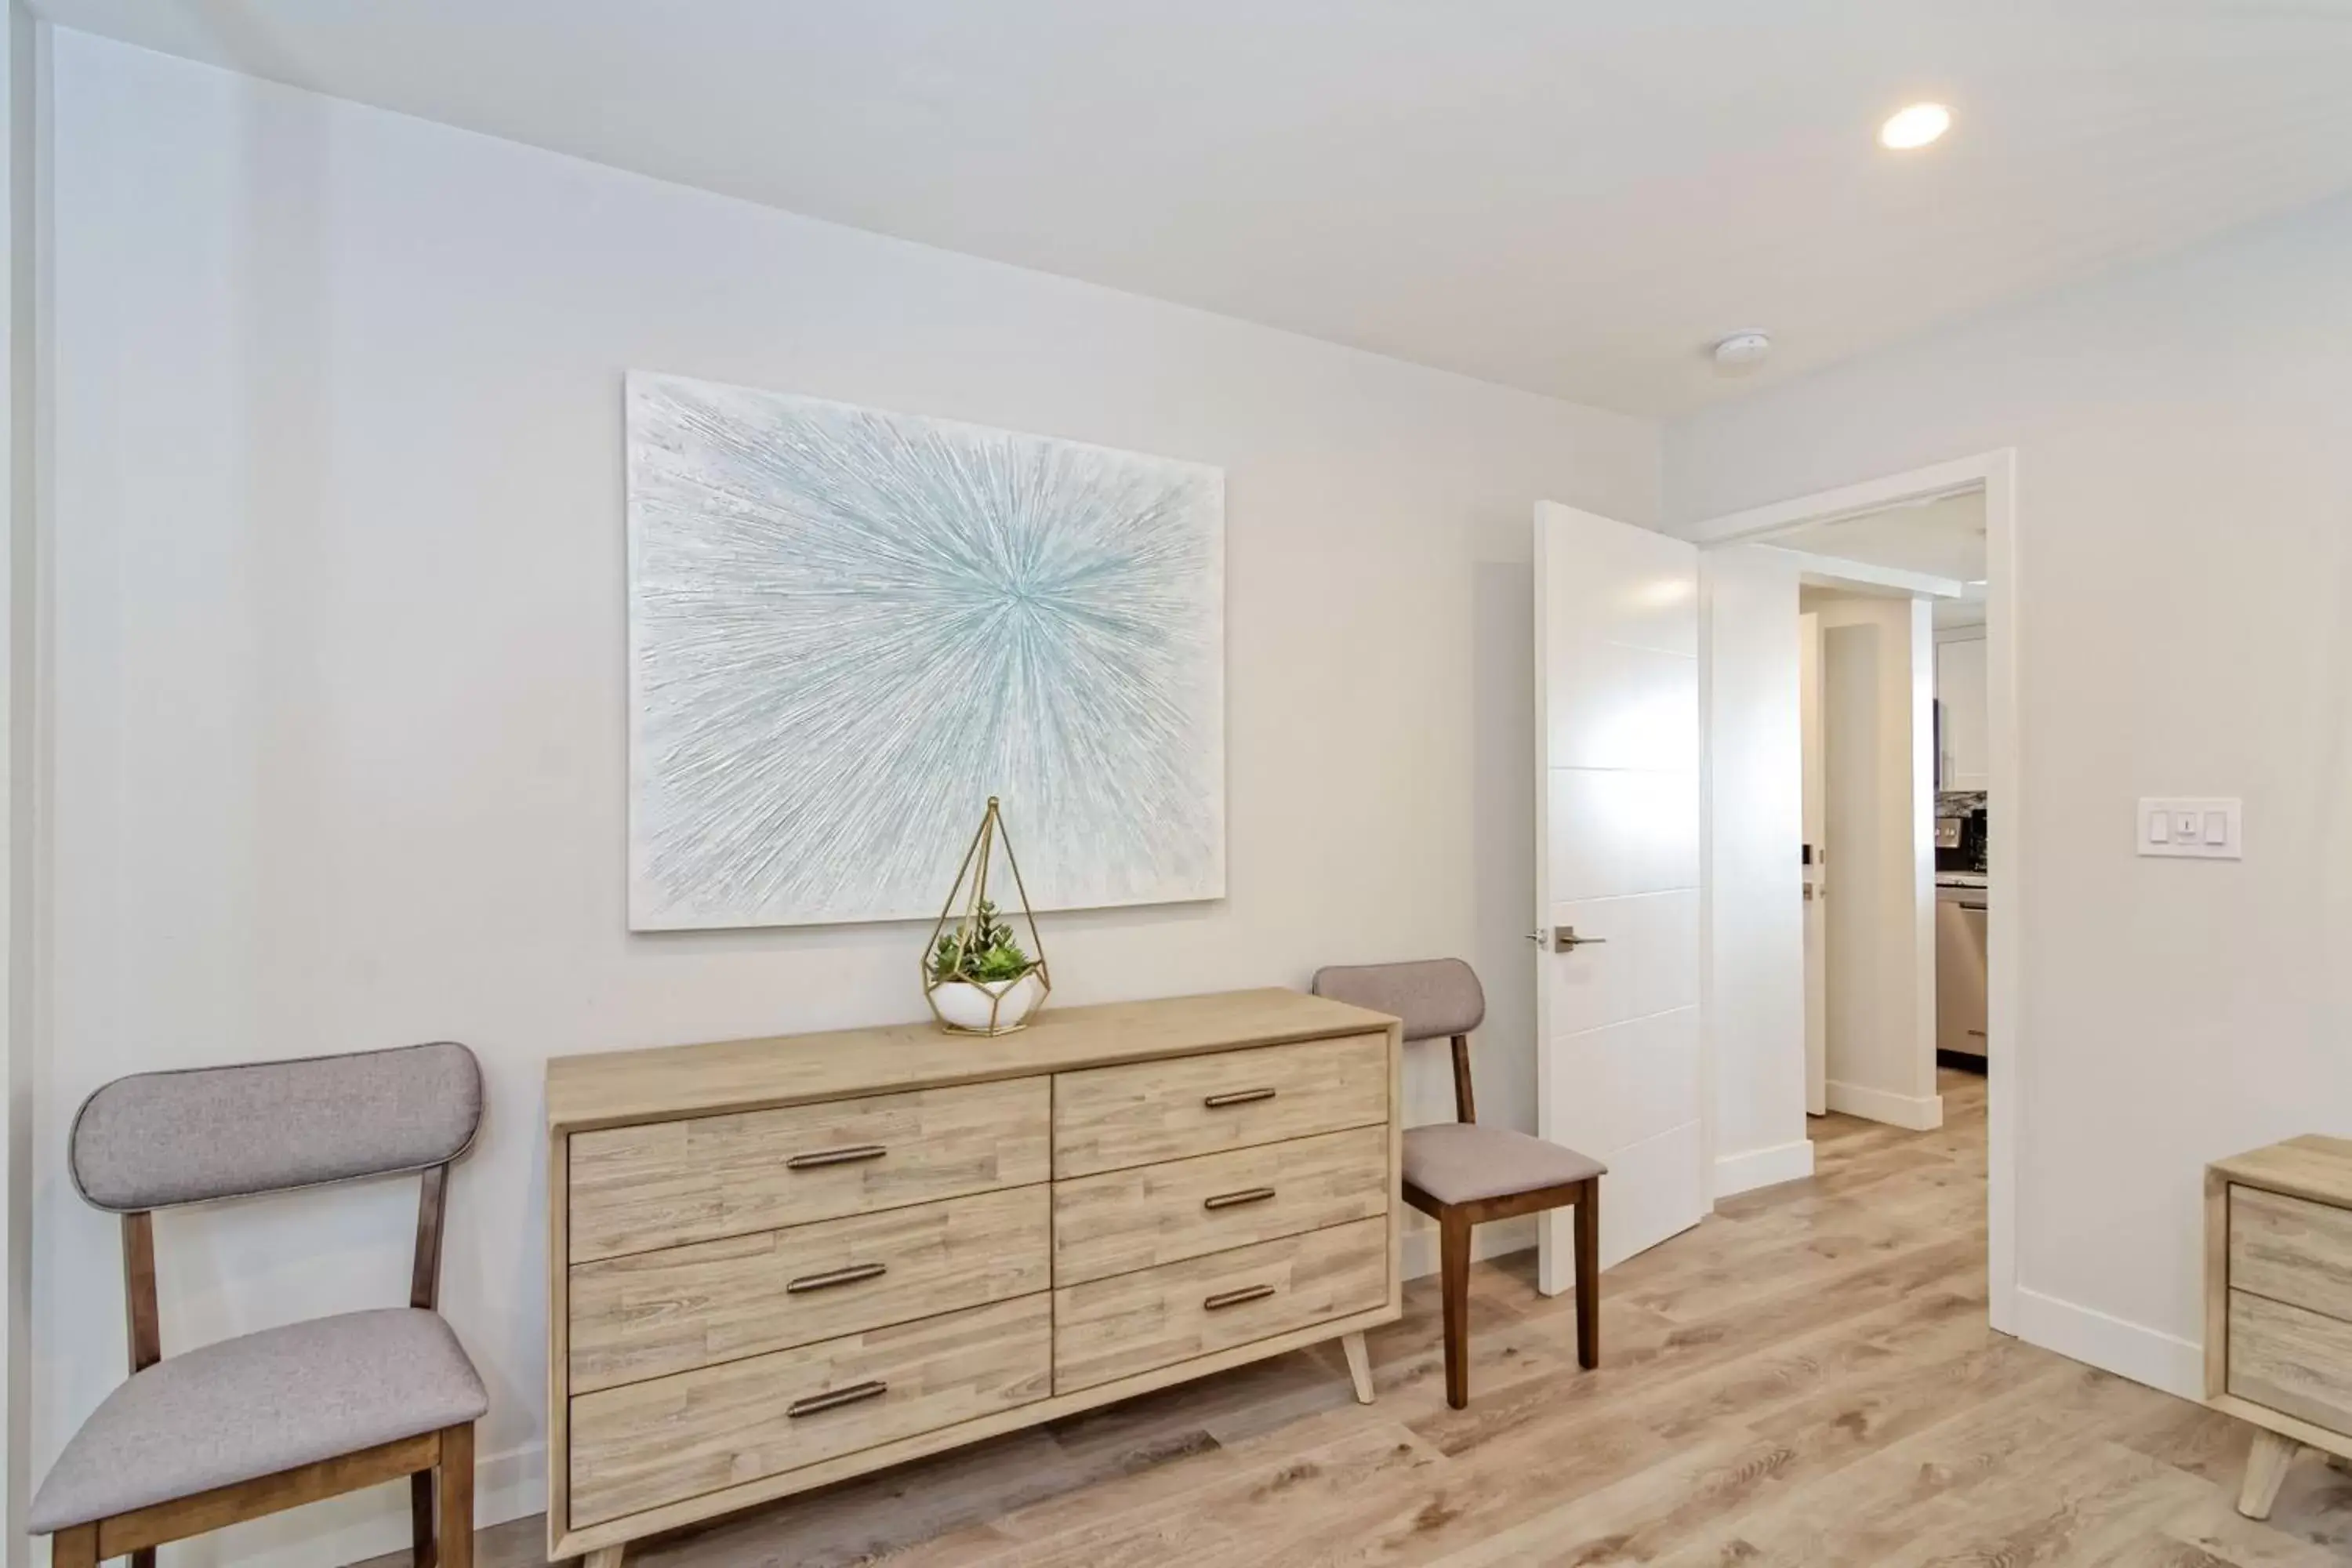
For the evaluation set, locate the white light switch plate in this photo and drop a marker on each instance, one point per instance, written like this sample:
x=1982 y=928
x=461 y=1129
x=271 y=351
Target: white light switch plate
x=2190 y=828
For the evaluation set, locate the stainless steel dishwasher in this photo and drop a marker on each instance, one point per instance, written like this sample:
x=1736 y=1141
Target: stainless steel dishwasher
x=1960 y=916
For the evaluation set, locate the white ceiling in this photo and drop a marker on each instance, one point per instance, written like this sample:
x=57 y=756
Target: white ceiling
x=1570 y=196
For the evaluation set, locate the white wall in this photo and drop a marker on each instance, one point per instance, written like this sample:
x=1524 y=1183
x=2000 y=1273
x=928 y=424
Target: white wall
x=18 y=662
x=2184 y=613
x=1879 y=864
x=1960 y=688
x=338 y=676
x=1755 y=935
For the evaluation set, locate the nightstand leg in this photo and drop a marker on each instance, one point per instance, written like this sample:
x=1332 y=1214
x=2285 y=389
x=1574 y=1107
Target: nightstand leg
x=603 y=1557
x=1359 y=1366
x=2266 y=1469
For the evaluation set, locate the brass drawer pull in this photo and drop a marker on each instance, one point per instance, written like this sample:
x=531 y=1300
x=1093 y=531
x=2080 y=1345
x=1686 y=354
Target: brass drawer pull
x=1236 y=1200
x=1223 y=1298
x=832 y=1276
x=848 y=1156
x=855 y=1394
x=1239 y=1096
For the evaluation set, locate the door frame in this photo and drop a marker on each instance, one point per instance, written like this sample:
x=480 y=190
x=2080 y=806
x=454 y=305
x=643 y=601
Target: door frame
x=1995 y=473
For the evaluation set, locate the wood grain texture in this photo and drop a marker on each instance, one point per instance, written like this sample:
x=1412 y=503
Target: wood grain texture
x=1132 y=1323
x=1805 y=1380
x=1113 y=1118
x=665 y=1183
x=1359 y=1366
x=558 y=1336
x=924 y=1445
x=453 y=1472
x=2290 y=1359
x=653 y=1313
x=2310 y=1166
x=224 y=1506
x=2266 y=1466
x=615 y=1087
x=1125 y=1220
x=2217 y=1283
x=647 y=1443
x=2292 y=1249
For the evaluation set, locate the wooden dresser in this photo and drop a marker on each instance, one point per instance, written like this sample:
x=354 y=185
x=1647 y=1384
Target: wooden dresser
x=2278 y=1302
x=776 y=1263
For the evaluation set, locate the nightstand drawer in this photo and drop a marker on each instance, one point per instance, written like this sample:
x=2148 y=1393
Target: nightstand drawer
x=1112 y=1117
x=1135 y=1322
x=2291 y=1251
x=667 y=1182
x=1151 y=1215
x=2290 y=1361
x=653 y=1313
x=648 y=1444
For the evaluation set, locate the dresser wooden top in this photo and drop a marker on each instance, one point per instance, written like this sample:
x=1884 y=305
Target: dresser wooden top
x=2310 y=1167
x=614 y=1089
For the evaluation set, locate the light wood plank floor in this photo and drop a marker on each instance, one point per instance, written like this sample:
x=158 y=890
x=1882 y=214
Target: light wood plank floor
x=1805 y=1381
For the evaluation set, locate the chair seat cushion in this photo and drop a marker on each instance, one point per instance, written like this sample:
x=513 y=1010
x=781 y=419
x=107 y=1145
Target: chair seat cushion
x=1461 y=1162
x=259 y=1404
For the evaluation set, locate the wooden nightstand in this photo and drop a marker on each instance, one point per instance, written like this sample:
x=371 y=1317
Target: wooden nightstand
x=2278 y=1303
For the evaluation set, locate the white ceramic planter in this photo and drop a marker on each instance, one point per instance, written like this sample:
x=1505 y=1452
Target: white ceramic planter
x=967 y=1004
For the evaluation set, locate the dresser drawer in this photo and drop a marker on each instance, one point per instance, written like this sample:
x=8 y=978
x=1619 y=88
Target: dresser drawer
x=637 y=1188
x=647 y=1443
x=1130 y=1323
x=652 y=1314
x=2291 y=1251
x=1151 y=1215
x=1111 y=1118
x=2292 y=1361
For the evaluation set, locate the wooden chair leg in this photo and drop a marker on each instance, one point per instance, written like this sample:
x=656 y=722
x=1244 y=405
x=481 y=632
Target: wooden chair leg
x=2266 y=1470
x=455 y=1472
x=1588 y=1275
x=143 y=1558
x=420 y=1518
x=1454 y=1269
x=74 y=1548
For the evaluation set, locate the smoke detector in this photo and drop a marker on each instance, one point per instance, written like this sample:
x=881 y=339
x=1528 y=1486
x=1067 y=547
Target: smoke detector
x=1742 y=351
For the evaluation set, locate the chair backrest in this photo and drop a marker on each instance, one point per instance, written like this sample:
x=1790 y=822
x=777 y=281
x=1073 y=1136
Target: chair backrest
x=157 y=1139
x=1437 y=997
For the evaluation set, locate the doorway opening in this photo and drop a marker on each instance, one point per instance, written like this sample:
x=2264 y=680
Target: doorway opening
x=1910 y=869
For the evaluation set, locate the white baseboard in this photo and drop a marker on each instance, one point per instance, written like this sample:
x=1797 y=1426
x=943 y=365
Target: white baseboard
x=2142 y=1354
x=1920 y=1113
x=1491 y=1240
x=1767 y=1167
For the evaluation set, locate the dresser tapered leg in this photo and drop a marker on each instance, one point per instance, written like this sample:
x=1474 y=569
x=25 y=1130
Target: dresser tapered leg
x=1359 y=1366
x=603 y=1557
x=2266 y=1469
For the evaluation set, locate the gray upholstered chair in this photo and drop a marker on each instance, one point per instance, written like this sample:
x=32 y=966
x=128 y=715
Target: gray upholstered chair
x=1463 y=1174
x=252 y=1424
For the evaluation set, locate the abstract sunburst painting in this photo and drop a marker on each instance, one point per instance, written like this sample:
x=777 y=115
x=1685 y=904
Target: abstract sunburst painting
x=848 y=628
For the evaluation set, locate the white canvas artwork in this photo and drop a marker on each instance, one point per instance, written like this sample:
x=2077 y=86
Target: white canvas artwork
x=848 y=628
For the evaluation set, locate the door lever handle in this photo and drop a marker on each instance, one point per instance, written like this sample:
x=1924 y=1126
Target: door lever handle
x=1565 y=940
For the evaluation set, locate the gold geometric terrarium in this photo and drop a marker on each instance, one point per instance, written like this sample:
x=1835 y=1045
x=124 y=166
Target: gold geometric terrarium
x=976 y=976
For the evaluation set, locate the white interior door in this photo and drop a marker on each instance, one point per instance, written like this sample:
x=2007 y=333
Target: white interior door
x=1617 y=833
x=1816 y=868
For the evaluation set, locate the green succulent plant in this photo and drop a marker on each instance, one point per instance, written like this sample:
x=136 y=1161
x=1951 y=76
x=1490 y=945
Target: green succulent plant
x=981 y=948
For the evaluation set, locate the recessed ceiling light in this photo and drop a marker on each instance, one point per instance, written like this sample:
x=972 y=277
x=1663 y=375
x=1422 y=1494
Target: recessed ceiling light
x=1914 y=127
